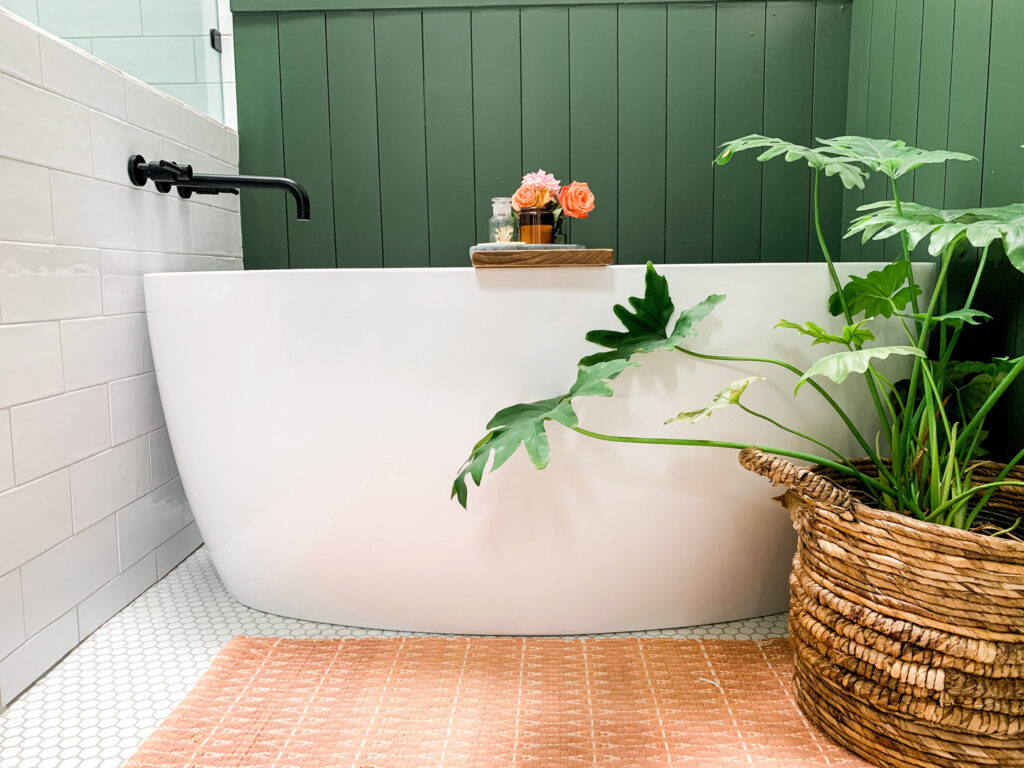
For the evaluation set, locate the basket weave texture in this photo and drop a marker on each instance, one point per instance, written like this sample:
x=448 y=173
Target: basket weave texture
x=908 y=636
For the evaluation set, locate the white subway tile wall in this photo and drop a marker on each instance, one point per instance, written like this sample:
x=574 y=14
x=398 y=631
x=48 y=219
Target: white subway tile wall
x=92 y=511
x=163 y=42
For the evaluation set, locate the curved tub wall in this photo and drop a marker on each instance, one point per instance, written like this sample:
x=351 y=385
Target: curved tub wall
x=318 y=418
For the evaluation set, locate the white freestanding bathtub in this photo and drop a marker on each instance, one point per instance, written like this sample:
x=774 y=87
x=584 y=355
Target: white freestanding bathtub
x=318 y=418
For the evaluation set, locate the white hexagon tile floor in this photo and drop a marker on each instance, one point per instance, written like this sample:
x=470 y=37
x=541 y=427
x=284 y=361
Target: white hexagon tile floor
x=95 y=707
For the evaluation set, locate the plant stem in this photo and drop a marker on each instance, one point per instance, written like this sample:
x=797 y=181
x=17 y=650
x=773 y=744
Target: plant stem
x=999 y=478
x=790 y=430
x=825 y=252
x=798 y=455
x=905 y=246
x=869 y=451
x=882 y=416
x=947 y=352
x=975 y=489
x=908 y=428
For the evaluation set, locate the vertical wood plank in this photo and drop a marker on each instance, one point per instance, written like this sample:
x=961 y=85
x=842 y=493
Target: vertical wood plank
x=497 y=108
x=690 y=174
x=398 y=39
x=879 y=108
x=352 y=90
x=1003 y=184
x=832 y=28
x=933 y=109
x=307 y=137
x=593 y=118
x=788 y=87
x=448 y=94
x=857 y=107
x=642 y=79
x=967 y=100
x=1004 y=158
x=739 y=111
x=906 y=79
x=260 y=142
x=880 y=69
x=544 y=62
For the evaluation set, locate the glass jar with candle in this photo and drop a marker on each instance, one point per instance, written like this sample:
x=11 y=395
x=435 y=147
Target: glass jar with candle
x=536 y=225
x=502 y=227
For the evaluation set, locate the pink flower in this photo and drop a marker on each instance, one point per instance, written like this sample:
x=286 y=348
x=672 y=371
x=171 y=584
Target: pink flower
x=543 y=179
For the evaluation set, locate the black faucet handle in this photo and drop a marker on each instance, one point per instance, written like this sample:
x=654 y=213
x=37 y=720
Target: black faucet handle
x=179 y=171
x=163 y=173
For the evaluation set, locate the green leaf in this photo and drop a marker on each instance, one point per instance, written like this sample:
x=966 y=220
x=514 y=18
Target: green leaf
x=971 y=383
x=973 y=392
x=840 y=365
x=523 y=424
x=592 y=380
x=726 y=397
x=849 y=174
x=979 y=226
x=959 y=370
x=887 y=156
x=647 y=326
x=880 y=293
x=852 y=335
x=956 y=318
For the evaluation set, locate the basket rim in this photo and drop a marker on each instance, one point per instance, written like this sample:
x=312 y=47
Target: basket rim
x=783 y=472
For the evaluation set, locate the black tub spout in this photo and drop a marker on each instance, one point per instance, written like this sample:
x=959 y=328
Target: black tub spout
x=167 y=175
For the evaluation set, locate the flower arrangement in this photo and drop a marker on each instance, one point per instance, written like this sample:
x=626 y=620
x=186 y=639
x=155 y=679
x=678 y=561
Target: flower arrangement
x=541 y=190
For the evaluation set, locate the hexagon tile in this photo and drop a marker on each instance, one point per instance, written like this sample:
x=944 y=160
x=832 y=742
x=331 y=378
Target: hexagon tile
x=96 y=707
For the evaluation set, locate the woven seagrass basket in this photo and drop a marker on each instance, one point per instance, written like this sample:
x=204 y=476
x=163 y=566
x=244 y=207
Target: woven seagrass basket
x=908 y=636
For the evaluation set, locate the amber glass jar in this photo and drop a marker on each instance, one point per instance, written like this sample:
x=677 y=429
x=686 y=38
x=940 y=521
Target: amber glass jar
x=536 y=225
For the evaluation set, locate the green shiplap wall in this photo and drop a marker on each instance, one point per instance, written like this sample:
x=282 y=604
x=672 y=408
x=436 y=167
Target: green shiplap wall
x=403 y=121
x=950 y=74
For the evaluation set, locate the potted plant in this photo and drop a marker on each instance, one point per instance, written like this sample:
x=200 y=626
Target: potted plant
x=907 y=589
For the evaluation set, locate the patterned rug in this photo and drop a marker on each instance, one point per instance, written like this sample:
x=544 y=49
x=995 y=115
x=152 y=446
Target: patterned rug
x=414 y=702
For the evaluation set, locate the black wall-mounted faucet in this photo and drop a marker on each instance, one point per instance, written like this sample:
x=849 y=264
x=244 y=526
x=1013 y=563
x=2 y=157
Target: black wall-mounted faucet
x=164 y=174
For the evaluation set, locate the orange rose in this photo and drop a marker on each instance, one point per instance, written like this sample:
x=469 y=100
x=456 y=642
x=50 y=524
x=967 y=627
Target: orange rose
x=531 y=196
x=577 y=200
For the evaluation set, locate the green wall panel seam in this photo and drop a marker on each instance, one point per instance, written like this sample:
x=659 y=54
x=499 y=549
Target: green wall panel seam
x=287 y=218
x=472 y=116
x=376 y=103
x=988 y=96
x=949 y=111
x=811 y=232
x=714 y=134
x=330 y=144
x=764 y=90
x=426 y=146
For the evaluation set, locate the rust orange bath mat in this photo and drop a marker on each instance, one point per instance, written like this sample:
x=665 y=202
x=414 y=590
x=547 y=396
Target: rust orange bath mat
x=480 y=702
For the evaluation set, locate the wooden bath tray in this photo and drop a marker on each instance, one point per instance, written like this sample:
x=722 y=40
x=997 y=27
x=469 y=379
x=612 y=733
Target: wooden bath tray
x=568 y=257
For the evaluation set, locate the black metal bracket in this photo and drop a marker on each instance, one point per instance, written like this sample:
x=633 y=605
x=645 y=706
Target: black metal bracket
x=215 y=41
